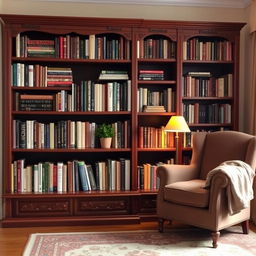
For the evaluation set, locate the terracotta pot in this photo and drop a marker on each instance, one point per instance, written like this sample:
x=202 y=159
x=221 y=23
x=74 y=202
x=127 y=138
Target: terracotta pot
x=105 y=142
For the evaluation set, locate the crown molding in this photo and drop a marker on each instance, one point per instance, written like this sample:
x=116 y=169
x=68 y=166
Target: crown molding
x=196 y=3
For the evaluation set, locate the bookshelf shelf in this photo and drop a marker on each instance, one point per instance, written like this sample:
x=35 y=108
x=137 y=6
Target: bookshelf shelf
x=30 y=89
x=165 y=82
x=156 y=114
x=77 y=113
x=63 y=150
x=207 y=62
x=54 y=60
x=147 y=49
x=207 y=98
x=155 y=149
x=156 y=60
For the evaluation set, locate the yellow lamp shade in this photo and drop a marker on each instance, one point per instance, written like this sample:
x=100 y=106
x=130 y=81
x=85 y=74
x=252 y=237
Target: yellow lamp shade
x=177 y=124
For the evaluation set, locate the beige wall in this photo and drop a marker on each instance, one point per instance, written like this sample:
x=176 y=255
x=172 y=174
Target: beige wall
x=35 y=7
x=121 y=11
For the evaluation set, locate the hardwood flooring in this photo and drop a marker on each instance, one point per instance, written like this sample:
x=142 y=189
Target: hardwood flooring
x=13 y=240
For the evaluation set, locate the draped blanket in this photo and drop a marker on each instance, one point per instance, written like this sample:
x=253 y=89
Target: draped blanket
x=239 y=189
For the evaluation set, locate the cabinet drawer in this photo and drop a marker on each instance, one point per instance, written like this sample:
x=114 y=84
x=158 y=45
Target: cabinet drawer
x=102 y=206
x=42 y=207
x=147 y=204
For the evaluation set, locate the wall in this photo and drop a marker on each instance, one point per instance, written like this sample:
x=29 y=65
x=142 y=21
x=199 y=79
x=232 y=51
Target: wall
x=37 y=7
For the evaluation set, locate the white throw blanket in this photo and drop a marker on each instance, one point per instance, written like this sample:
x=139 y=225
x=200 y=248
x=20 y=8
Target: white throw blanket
x=239 y=190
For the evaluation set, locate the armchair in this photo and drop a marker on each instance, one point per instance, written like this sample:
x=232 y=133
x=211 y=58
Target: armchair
x=182 y=195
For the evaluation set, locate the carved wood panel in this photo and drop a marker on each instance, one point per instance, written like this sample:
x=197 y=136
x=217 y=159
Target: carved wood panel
x=147 y=204
x=102 y=206
x=42 y=207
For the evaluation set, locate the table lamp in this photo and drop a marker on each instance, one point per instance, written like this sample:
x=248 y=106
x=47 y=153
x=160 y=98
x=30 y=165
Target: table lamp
x=177 y=124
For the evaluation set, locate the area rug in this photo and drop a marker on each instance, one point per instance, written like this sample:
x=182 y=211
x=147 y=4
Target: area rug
x=173 y=242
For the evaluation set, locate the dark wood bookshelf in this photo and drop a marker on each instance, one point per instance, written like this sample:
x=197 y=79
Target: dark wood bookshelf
x=101 y=206
x=67 y=60
x=158 y=82
x=71 y=113
x=71 y=150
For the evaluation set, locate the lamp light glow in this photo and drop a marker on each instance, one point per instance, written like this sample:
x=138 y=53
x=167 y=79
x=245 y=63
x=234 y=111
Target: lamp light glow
x=177 y=124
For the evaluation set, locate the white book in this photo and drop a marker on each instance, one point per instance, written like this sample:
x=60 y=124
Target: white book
x=59 y=177
x=40 y=177
x=18 y=45
x=83 y=134
x=91 y=46
x=19 y=74
x=22 y=75
x=117 y=96
x=138 y=49
x=29 y=178
x=78 y=134
x=36 y=178
x=52 y=131
x=23 y=181
x=72 y=134
x=64 y=178
x=31 y=75
x=127 y=174
x=185 y=50
x=110 y=96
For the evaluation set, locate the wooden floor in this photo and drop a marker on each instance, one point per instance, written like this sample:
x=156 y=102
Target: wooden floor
x=13 y=240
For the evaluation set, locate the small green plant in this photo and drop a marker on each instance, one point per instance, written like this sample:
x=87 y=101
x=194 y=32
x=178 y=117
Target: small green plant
x=104 y=131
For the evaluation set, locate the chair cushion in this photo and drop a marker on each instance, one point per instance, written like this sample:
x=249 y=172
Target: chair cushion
x=191 y=193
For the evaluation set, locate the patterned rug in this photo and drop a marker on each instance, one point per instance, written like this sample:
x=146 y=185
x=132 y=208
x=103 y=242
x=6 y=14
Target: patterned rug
x=173 y=242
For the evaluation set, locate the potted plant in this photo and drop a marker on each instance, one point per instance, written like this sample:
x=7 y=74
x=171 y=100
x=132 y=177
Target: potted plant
x=105 y=132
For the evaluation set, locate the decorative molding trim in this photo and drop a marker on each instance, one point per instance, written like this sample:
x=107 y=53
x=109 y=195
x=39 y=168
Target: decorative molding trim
x=196 y=3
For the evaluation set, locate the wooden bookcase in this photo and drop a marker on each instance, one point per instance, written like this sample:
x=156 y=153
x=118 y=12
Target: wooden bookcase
x=137 y=47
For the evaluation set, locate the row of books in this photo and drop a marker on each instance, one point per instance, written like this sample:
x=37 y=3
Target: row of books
x=112 y=96
x=88 y=96
x=147 y=176
x=156 y=48
x=207 y=113
x=73 y=176
x=154 y=137
x=199 y=48
x=24 y=75
x=208 y=87
x=74 y=47
x=31 y=134
x=151 y=75
x=151 y=97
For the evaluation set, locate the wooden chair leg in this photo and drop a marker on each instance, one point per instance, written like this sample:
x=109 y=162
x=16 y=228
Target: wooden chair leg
x=161 y=225
x=215 y=237
x=245 y=227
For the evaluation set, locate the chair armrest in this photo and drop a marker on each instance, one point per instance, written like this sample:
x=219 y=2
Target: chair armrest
x=169 y=173
x=217 y=191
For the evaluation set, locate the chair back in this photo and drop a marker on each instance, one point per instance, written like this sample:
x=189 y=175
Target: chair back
x=227 y=145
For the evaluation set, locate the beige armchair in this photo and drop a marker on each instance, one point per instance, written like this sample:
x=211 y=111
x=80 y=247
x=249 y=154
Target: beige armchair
x=182 y=196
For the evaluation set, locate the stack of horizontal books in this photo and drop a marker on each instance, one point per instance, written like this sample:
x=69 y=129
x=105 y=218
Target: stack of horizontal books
x=59 y=76
x=154 y=109
x=40 y=48
x=151 y=75
x=113 y=75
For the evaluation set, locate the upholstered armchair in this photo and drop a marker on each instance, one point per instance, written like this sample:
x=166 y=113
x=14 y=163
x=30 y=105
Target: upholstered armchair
x=182 y=196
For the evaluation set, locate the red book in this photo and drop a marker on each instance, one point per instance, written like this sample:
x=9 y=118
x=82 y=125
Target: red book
x=151 y=71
